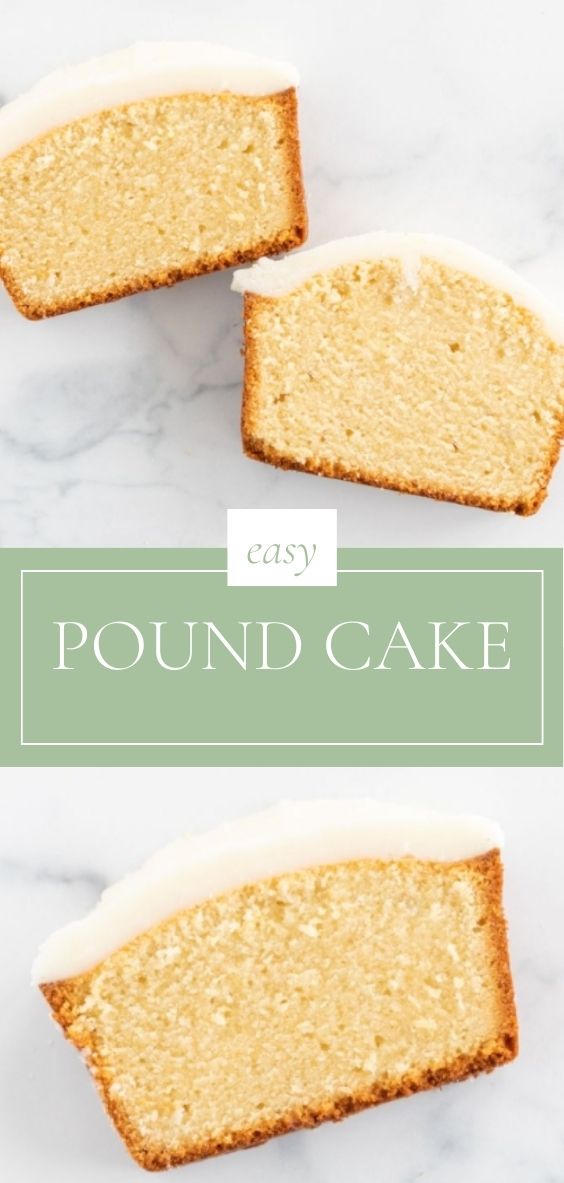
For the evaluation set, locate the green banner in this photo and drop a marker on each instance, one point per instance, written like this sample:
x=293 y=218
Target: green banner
x=436 y=657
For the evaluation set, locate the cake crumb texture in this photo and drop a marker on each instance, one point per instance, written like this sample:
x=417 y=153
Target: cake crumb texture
x=146 y=194
x=296 y=1000
x=442 y=386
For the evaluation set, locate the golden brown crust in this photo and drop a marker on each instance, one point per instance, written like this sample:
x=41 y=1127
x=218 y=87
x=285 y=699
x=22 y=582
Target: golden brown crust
x=287 y=239
x=259 y=449
x=283 y=242
x=309 y=1117
x=65 y=997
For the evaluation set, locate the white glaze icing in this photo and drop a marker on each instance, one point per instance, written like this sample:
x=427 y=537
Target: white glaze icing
x=142 y=71
x=286 y=838
x=278 y=277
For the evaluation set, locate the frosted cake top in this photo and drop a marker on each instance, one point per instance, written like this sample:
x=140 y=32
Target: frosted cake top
x=288 y=837
x=142 y=71
x=278 y=277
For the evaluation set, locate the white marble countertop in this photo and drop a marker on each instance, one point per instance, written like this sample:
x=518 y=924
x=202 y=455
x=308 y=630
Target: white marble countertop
x=66 y=833
x=119 y=425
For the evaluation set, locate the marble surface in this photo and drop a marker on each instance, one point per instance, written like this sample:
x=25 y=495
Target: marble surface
x=120 y=425
x=65 y=834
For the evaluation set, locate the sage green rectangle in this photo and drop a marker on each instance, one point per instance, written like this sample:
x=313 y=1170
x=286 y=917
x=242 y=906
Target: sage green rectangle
x=312 y=712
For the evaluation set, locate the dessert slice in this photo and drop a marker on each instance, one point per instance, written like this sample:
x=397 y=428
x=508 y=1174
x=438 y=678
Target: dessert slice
x=284 y=970
x=408 y=361
x=144 y=167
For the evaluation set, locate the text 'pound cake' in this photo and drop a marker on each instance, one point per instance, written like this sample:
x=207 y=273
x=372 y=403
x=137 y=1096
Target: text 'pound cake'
x=285 y=970
x=144 y=167
x=411 y=362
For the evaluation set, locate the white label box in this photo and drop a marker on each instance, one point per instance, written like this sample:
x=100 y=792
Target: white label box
x=281 y=547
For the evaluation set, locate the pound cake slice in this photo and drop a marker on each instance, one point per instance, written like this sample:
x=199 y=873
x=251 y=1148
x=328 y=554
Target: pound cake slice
x=285 y=970
x=407 y=361
x=144 y=167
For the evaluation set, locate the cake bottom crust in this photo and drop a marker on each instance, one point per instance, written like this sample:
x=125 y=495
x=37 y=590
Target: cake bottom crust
x=286 y=240
x=257 y=449
x=497 y=1052
x=308 y=1117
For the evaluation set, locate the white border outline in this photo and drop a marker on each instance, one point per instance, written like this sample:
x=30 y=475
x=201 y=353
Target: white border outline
x=281 y=743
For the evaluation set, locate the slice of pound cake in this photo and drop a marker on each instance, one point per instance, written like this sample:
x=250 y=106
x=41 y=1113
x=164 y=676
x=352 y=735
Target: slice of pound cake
x=144 y=167
x=285 y=970
x=408 y=361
